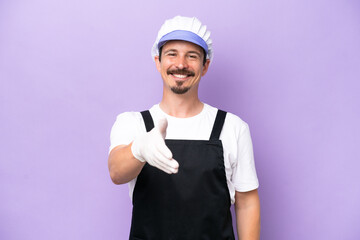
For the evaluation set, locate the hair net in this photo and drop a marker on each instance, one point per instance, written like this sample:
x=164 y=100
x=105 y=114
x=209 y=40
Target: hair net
x=184 y=28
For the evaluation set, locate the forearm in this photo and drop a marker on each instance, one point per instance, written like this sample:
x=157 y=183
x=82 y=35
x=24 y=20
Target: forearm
x=248 y=216
x=123 y=166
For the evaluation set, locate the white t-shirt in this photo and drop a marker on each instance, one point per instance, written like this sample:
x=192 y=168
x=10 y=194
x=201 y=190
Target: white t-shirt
x=235 y=137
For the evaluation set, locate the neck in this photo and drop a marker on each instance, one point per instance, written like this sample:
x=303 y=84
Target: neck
x=181 y=105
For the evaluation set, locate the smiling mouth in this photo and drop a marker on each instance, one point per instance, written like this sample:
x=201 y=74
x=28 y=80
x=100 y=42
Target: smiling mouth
x=181 y=74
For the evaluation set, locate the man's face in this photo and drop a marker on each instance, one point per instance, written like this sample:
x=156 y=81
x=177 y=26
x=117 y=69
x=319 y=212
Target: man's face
x=181 y=66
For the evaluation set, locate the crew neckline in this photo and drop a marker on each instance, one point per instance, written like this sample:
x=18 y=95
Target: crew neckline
x=203 y=110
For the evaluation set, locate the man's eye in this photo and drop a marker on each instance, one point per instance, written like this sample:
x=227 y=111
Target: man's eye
x=193 y=56
x=171 y=54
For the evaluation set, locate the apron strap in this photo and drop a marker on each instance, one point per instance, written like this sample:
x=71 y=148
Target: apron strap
x=218 y=125
x=215 y=133
x=149 y=123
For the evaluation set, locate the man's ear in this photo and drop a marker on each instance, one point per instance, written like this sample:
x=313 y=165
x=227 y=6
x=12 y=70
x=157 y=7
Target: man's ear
x=206 y=67
x=157 y=62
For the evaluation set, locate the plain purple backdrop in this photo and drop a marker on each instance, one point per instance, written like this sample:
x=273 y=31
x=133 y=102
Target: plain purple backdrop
x=290 y=69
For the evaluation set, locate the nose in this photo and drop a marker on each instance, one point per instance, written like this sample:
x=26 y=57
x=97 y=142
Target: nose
x=181 y=62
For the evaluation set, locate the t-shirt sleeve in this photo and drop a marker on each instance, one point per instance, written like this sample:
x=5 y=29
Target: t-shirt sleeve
x=125 y=129
x=244 y=175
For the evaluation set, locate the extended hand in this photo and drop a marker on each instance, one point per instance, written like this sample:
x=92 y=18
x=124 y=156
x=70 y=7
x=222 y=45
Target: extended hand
x=150 y=147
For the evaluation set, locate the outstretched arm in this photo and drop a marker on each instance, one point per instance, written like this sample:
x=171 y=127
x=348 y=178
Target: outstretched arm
x=123 y=166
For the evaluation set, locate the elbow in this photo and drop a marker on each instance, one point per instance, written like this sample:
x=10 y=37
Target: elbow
x=116 y=177
x=115 y=170
x=122 y=168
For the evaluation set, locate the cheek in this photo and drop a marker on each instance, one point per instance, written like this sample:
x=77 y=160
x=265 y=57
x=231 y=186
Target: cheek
x=158 y=65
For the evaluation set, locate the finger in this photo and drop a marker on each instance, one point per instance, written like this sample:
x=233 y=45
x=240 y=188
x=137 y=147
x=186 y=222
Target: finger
x=162 y=166
x=176 y=169
x=163 y=149
x=165 y=155
x=174 y=164
x=169 y=163
x=164 y=169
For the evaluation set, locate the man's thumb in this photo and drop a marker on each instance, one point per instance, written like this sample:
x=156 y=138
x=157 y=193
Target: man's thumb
x=162 y=125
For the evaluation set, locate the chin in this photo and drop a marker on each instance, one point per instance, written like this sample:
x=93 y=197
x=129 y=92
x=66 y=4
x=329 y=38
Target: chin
x=178 y=90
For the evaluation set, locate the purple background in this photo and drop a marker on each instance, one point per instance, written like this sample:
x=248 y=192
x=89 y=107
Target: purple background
x=67 y=68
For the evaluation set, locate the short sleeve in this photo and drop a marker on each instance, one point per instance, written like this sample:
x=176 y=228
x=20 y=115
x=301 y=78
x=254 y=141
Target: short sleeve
x=126 y=127
x=244 y=175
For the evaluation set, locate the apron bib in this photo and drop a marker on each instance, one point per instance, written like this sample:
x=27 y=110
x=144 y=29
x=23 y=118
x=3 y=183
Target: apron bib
x=193 y=204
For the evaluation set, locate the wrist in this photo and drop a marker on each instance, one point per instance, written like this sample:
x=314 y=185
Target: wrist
x=136 y=151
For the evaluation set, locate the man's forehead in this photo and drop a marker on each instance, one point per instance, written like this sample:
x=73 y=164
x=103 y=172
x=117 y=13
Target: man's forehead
x=180 y=44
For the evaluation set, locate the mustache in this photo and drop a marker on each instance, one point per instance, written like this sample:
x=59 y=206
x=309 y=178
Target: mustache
x=181 y=72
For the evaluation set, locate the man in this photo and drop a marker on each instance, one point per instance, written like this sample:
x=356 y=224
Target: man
x=182 y=187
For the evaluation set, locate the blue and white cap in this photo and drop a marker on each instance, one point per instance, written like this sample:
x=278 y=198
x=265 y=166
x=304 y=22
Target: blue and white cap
x=186 y=29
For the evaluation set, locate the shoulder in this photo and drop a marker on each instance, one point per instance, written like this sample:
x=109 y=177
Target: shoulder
x=127 y=126
x=131 y=121
x=128 y=117
x=233 y=124
x=126 y=123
